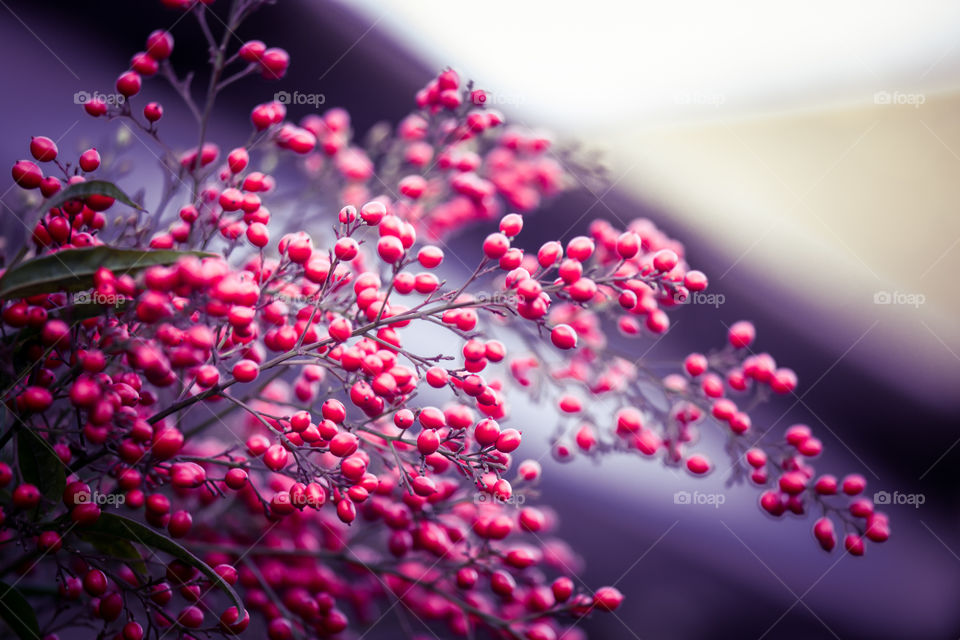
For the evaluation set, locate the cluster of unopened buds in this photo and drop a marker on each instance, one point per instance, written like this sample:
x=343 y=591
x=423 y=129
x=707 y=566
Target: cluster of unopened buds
x=244 y=436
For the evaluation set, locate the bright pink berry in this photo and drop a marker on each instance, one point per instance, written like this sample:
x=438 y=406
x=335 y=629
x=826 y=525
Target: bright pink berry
x=698 y=464
x=43 y=149
x=563 y=336
x=741 y=334
x=159 y=44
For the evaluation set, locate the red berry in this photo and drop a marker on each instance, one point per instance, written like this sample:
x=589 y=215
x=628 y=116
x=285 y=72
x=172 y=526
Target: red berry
x=129 y=83
x=43 y=149
x=346 y=249
x=824 y=533
x=340 y=329
x=191 y=617
x=563 y=336
x=628 y=245
x=252 y=51
x=27 y=174
x=246 y=371
x=373 y=212
x=698 y=464
x=826 y=485
x=432 y=418
x=430 y=256
x=26 y=496
x=276 y=457
x=344 y=444
x=274 y=63
x=562 y=588
x=793 y=482
x=854 y=484
x=258 y=235
x=159 y=44
x=180 y=523
x=132 y=631
x=334 y=410
x=695 y=281
x=95 y=582
x=695 y=364
x=236 y=479
x=390 y=249
x=144 y=64
x=428 y=442
x=36 y=399
x=549 y=254
x=49 y=541
x=153 y=111
x=495 y=246
x=487 y=432
x=508 y=441
x=854 y=544
x=502 y=583
x=797 y=434
x=741 y=334
x=607 y=598
x=95 y=107
x=665 y=260
x=511 y=224
x=232 y=623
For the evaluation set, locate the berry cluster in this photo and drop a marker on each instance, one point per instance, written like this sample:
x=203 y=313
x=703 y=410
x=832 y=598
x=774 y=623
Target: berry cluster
x=238 y=433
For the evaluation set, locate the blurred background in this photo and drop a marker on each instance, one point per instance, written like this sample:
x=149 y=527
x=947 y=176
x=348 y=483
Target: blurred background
x=808 y=156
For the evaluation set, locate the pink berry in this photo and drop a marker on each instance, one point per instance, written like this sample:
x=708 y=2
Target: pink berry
x=698 y=464
x=665 y=260
x=607 y=598
x=495 y=246
x=129 y=83
x=27 y=174
x=43 y=149
x=246 y=371
x=741 y=334
x=90 y=160
x=563 y=336
x=153 y=111
x=159 y=45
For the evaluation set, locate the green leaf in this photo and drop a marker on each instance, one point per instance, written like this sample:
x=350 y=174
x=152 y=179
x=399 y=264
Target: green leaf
x=81 y=190
x=18 y=614
x=73 y=269
x=110 y=524
x=118 y=548
x=40 y=464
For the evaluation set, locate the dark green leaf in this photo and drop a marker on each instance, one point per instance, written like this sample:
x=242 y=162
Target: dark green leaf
x=81 y=190
x=110 y=524
x=40 y=465
x=73 y=269
x=18 y=614
x=119 y=548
